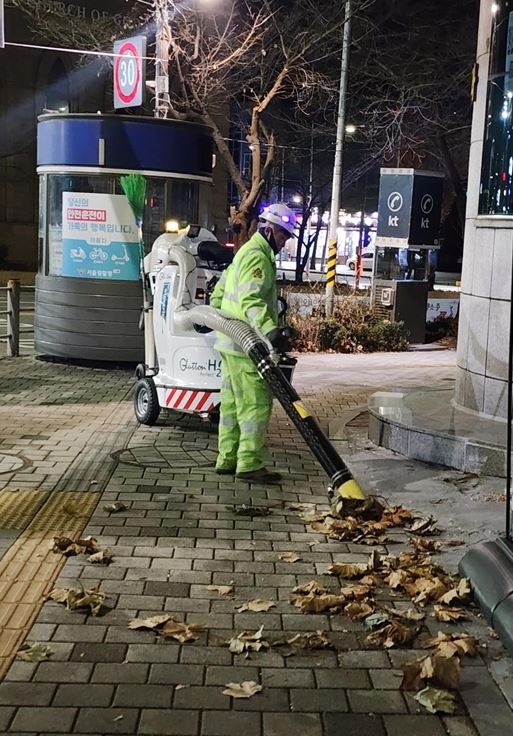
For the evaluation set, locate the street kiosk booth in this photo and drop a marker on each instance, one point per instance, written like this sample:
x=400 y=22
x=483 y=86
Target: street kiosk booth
x=409 y=210
x=88 y=295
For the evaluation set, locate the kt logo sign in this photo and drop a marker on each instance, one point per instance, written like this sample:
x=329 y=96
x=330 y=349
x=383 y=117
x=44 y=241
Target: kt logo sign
x=394 y=203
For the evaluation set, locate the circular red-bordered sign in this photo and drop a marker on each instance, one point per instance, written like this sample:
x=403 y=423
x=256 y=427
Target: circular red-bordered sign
x=127 y=73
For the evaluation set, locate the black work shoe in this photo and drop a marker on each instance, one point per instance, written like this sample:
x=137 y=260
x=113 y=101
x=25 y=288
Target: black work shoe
x=262 y=475
x=225 y=471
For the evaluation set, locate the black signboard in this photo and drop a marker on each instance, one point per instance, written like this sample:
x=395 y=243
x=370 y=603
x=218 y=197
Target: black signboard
x=409 y=208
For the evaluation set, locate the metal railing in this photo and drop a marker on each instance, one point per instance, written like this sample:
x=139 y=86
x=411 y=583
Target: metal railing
x=13 y=312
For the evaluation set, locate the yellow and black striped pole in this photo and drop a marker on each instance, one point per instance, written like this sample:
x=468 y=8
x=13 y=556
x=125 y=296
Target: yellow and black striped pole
x=331 y=276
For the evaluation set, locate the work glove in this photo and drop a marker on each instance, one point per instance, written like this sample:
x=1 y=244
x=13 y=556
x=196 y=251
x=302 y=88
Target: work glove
x=279 y=338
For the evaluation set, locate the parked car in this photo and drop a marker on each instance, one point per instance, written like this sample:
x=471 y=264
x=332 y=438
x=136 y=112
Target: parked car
x=367 y=261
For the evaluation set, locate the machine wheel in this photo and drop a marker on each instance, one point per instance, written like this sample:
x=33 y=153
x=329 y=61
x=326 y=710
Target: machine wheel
x=146 y=402
x=140 y=371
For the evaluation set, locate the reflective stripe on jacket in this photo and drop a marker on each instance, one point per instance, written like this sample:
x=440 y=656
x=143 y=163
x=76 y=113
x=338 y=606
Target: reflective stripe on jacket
x=247 y=290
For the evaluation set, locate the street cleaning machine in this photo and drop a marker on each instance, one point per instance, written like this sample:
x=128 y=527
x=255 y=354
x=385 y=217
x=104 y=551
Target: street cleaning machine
x=182 y=369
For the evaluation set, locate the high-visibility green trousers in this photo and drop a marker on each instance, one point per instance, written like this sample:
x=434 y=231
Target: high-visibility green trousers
x=246 y=405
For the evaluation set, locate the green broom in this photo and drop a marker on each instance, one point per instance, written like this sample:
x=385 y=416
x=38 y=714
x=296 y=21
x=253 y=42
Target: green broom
x=134 y=188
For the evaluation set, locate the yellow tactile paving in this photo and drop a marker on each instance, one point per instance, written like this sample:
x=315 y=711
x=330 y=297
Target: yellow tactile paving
x=29 y=567
x=18 y=508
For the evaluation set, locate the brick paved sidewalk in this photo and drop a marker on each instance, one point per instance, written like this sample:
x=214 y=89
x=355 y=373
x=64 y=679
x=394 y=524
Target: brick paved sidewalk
x=178 y=535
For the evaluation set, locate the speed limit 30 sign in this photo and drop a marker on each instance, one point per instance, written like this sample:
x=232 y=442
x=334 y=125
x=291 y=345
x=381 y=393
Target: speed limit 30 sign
x=129 y=68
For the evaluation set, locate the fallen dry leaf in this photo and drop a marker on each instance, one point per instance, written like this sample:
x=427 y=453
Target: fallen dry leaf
x=242 y=690
x=358 y=610
x=258 y=605
x=317 y=640
x=424 y=589
x=448 y=645
x=315 y=603
x=398 y=578
x=374 y=562
x=34 y=652
x=392 y=635
x=436 y=700
x=74 y=599
x=424 y=526
x=409 y=614
x=454 y=543
x=115 y=507
x=248 y=642
x=435 y=668
x=462 y=592
x=168 y=627
x=149 y=623
x=70 y=547
x=320 y=528
x=103 y=557
x=348 y=571
x=221 y=589
x=312 y=587
x=354 y=592
x=174 y=629
x=448 y=614
x=397 y=516
x=425 y=545
x=289 y=557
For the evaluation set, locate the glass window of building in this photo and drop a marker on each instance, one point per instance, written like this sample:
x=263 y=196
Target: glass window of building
x=496 y=192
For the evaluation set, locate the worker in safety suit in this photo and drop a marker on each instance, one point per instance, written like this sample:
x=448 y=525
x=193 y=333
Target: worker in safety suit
x=247 y=290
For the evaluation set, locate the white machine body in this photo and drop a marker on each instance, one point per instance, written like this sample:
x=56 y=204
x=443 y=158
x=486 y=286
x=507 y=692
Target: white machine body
x=182 y=362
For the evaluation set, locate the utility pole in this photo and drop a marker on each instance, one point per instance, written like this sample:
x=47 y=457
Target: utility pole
x=331 y=274
x=311 y=259
x=162 y=44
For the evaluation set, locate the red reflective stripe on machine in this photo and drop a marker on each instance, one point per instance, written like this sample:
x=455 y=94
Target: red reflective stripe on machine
x=192 y=401
x=170 y=396
x=178 y=398
x=203 y=400
x=193 y=398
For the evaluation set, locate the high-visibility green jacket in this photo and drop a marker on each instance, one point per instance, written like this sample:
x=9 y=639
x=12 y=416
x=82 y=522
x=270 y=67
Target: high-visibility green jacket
x=247 y=290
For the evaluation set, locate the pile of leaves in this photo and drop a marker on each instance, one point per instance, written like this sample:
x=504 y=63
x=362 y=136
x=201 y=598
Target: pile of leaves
x=87 y=546
x=414 y=574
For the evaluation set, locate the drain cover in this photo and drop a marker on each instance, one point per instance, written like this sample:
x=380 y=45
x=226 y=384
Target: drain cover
x=12 y=463
x=184 y=455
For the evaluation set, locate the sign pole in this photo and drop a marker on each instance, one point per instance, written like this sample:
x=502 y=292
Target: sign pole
x=2 y=25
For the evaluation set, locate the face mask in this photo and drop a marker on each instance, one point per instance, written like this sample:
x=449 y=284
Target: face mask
x=272 y=241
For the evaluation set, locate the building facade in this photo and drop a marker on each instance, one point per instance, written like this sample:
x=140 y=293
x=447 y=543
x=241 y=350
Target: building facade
x=486 y=284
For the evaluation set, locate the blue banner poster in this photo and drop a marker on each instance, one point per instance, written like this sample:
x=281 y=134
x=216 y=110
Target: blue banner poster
x=99 y=237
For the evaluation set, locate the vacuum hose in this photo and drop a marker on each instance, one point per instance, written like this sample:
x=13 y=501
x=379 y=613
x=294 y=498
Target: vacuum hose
x=341 y=478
